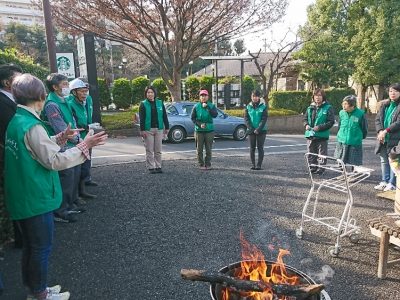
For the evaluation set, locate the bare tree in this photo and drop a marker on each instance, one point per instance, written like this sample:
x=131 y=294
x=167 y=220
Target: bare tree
x=169 y=33
x=274 y=61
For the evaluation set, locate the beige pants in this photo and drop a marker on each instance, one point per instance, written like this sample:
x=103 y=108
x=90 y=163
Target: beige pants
x=153 y=144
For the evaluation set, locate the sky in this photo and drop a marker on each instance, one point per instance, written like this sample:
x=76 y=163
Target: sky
x=296 y=15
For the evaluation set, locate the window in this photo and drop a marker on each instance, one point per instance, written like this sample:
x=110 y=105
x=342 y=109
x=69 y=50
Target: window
x=171 y=110
x=187 y=109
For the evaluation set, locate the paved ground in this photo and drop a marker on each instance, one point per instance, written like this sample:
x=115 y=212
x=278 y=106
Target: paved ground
x=135 y=238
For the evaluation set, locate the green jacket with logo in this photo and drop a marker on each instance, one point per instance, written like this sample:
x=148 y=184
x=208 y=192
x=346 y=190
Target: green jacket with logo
x=82 y=113
x=352 y=127
x=159 y=108
x=255 y=115
x=323 y=117
x=30 y=188
x=203 y=115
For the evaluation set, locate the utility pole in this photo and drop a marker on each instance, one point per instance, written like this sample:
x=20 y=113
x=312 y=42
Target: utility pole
x=51 y=45
x=265 y=45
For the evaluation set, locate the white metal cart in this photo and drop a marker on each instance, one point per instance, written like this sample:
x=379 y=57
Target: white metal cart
x=336 y=176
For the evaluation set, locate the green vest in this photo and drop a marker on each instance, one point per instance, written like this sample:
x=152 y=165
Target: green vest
x=388 y=117
x=320 y=118
x=80 y=113
x=159 y=108
x=255 y=115
x=204 y=116
x=30 y=188
x=66 y=113
x=89 y=108
x=350 y=132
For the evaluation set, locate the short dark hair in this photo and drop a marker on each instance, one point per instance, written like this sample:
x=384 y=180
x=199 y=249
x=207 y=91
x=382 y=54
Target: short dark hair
x=54 y=79
x=256 y=93
x=27 y=88
x=319 y=91
x=395 y=86
x=351 y=100
x=7 y=71
x=150 y=88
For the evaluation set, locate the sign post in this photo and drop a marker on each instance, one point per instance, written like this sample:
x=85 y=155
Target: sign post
x=66 y=64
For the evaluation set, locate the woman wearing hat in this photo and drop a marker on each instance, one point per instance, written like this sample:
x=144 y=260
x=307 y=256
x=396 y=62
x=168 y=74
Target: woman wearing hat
x=202 y=117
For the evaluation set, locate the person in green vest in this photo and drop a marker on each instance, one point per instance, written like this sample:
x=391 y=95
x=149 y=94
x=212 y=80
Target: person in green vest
x=255 y=116
x=387 y=125
x=57 y=114
x=353 y=128
x=153 y=126
x=318 y=120
x=82 y=110
x=32 y=184
x=202 y=117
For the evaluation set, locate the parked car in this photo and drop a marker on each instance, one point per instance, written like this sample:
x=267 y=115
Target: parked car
x=181 y=125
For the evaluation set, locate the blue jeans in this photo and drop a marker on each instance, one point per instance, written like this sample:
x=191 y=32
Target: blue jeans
x=85 y=169
x=387 y=173
x=37 y=239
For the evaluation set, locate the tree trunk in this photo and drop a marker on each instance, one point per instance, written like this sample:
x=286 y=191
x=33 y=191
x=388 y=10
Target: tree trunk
x=361 y=96
x=174 y=86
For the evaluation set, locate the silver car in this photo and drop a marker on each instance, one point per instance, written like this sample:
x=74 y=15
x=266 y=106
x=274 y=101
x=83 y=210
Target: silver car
x=181 y=125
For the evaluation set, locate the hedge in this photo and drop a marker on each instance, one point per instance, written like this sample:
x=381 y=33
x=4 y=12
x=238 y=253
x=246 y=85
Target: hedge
x=139 y=84
x=122 y=93
x=104 y=92
x=300 y=100
x=12 y=55
x=161 y=88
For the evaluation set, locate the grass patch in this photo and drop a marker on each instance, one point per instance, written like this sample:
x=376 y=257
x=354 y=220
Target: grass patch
x=119 y=120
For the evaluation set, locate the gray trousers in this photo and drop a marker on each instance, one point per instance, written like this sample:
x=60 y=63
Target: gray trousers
x=204 y=140
x=153 y=145
x=317 y=146
x=69 y=179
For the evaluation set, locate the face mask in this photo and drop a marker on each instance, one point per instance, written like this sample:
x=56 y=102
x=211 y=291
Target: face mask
x=65 y=91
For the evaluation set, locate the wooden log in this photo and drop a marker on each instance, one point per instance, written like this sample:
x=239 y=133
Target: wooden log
x=300 y=291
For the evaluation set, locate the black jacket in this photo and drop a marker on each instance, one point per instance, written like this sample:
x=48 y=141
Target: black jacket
x=394 y=128
x=7 y=111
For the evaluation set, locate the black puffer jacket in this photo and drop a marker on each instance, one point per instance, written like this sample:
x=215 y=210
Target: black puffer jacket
x=394 y=128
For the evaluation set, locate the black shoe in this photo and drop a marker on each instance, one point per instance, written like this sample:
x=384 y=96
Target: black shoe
x=91 y=183
x=159 y=170
x=77 y=210
x=152 y=171
x=69 y=218
x=253 y=168
x=257 y=168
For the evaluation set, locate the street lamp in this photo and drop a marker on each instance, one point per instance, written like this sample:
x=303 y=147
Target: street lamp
x=190 y=67
x=122 y=66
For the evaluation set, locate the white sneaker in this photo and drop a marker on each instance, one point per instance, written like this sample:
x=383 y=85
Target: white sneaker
x=50 y=290
x=53 y=293
x=389 y=187
x=381 y=186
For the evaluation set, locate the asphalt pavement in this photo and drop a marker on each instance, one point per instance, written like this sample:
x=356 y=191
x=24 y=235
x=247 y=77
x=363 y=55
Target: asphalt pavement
x=144 y=228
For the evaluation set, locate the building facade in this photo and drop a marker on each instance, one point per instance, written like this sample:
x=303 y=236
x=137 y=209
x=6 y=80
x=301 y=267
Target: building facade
x=20 y=11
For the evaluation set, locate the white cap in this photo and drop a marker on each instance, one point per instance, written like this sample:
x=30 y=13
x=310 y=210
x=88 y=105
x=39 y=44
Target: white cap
x=77 y=84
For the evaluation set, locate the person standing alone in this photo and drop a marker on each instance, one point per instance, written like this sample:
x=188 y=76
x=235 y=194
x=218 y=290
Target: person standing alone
x=255 y=116
x=153 y=125
x=202 y=117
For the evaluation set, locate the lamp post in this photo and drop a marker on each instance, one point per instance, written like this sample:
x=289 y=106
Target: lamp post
x=122 y=66
x=190 y=67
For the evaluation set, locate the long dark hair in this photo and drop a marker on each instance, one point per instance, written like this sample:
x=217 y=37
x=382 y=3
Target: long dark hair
x=319 y=91
x=150 y=88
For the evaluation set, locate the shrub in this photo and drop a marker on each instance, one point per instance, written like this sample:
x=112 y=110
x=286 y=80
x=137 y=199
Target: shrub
x=104 y=92
x=122 y=93
x=300 y=100
x=161 y=88
x=192 y=88
x=25 y=62
x=206 y=83
x=138 y=86
x=249 y=84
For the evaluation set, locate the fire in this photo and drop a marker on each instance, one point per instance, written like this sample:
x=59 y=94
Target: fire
x=254 y=268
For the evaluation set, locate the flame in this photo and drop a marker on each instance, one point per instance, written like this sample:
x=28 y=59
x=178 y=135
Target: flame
x=254 y=267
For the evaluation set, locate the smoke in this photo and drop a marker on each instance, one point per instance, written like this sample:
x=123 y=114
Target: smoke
x=324 y=275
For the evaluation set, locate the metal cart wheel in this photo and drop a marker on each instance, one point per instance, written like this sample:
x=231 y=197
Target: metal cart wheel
x=355 y=237
x=333 y=251
x=299 y=234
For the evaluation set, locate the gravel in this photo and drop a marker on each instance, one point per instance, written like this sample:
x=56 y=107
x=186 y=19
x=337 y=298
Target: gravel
x=143 y=228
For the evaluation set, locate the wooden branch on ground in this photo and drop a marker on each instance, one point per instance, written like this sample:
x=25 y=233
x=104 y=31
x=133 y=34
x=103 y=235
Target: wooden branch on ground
x=300 y=291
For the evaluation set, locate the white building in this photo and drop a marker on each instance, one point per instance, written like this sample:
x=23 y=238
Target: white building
x=20 y=11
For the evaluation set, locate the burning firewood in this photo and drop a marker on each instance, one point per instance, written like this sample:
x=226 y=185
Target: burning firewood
x=299 y=291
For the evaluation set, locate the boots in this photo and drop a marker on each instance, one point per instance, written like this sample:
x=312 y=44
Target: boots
x=83 y=193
